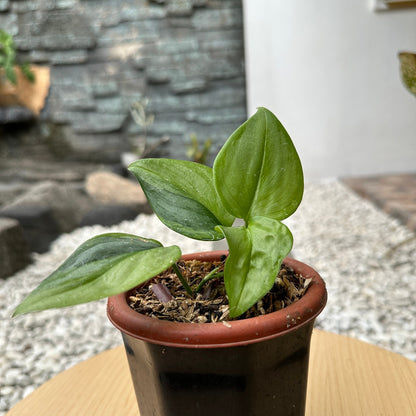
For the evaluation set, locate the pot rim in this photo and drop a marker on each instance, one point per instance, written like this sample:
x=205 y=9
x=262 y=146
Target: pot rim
x=222 y=334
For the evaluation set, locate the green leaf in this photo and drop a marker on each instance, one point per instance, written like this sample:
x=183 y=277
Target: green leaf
x=11 y=74
x=258 y=171
x=27 y=72
x=102 y=266
x=255 y=257
x=183 y=196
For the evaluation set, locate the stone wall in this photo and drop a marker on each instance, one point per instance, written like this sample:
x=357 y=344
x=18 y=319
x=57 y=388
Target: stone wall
x=185 y=56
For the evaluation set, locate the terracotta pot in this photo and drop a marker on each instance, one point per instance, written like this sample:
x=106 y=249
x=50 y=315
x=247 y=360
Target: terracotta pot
x=25 y=93
x=252 y=367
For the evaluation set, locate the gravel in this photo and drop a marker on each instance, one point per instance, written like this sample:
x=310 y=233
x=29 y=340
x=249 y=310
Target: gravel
x=366 y=258
x=368 y=261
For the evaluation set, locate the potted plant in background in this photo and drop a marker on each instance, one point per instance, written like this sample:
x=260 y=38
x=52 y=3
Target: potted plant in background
x=253 y=360
x=8 y=60
x=21 y=84
x=141 y=148
x=408 y=70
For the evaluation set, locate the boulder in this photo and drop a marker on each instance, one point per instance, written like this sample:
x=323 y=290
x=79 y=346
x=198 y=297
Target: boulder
x=15 y=114
x=47 y=210
x=110 y=189
x=68 y=204
x=108 y=215
x=14 y=250
x=37 y=223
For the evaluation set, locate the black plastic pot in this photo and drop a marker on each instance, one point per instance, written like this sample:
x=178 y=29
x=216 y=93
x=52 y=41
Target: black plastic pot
x=252 y=367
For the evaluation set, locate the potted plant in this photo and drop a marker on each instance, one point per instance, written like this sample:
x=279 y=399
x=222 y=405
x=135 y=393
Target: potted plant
x=8 y=60
x=408 y=70
x=21 y=84
x=238 y=365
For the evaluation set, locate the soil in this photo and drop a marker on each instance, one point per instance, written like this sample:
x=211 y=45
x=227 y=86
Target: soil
x=164 y=297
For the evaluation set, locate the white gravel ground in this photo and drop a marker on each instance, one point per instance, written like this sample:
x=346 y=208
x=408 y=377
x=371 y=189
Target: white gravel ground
x=367 y=259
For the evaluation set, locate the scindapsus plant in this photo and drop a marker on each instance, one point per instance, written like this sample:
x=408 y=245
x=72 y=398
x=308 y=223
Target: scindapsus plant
x=256 y=176
x=240 y=364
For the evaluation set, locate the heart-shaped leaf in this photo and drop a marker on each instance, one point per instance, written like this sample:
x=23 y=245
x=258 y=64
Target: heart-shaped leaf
x=103 y=266
x=183 y=196
x=256 y=253
x=258 y=171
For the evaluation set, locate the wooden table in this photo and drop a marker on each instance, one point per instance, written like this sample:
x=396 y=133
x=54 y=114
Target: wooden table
x=346 y=377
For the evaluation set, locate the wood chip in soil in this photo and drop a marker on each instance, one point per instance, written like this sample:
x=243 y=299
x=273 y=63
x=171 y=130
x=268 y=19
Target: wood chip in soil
x=164 y=297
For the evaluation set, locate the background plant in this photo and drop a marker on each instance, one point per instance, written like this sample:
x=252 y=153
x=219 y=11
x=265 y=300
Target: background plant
x=138 y=111
x=256 y=176
x=408 y=70
x=8 y=59
x=197 y=151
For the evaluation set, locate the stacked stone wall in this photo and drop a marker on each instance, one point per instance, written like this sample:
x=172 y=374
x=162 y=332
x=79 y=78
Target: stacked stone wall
x=186 y=57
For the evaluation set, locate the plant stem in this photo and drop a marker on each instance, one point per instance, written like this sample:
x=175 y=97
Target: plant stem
x=161 y=292
x=211 y=275
x=183 y=280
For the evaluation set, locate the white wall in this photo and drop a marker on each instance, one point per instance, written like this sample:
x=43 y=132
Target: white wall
x=329 y=70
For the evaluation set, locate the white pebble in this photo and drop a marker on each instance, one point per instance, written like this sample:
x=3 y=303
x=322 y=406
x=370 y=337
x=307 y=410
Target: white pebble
x=371 y=296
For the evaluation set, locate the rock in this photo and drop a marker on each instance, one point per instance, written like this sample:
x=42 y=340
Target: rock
x=67 y=202
x=62 y=30
x=108 y=188
x=109 y=215
x=89 y=122
x=10 y=191
x=184 y=85
x=38 y=225
x=15 y=114
x=14 y=250
x=47 y=210
x=180 y=8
